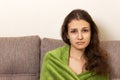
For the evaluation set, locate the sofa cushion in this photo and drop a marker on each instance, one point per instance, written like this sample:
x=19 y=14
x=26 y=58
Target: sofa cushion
x=19 y=55
x=112 y=47
x=18 y=77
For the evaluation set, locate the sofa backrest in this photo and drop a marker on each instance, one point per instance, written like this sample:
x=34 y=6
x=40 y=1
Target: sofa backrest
x=112 y=47
x=19 y=58
x=48 y=44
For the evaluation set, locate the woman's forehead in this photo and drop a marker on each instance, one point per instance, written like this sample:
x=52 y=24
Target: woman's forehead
x=78 y=23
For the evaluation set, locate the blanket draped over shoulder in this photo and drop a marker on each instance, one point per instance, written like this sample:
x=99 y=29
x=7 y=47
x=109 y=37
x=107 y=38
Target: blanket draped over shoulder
x=55 y=67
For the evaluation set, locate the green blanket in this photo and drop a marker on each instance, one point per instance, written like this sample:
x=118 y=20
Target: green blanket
x=55 y=67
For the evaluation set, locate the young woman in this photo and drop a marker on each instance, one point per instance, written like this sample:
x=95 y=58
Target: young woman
x=82 y=58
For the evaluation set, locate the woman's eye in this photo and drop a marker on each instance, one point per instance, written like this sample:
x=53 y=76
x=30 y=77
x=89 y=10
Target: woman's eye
x=73 y=31
x=85 y=30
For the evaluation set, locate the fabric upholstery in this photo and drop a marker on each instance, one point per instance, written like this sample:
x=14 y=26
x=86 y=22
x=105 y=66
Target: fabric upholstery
x=49 y=44
x=113 y=49
x=19 y=58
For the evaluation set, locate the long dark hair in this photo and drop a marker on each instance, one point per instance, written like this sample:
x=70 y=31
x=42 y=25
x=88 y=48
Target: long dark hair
x=97 y=60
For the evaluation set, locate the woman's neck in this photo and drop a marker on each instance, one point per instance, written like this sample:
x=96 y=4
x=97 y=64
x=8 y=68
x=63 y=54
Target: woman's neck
x=76 y=53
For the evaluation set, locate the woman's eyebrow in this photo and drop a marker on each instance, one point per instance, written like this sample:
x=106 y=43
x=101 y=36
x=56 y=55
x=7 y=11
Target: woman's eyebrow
x=85 y=27
x=73 y=29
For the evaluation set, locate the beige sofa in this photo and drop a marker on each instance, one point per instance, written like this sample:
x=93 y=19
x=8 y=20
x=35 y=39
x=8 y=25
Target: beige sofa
x=21 y=57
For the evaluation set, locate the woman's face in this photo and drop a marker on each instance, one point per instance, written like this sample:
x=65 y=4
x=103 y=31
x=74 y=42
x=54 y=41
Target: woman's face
x=79 y=34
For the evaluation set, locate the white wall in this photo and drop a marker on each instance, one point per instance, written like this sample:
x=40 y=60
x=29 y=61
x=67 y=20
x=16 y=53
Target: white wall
x=45 y=17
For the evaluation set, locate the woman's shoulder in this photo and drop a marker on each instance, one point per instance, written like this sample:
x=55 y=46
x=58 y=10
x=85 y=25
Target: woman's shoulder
x=59 y=49
x=57 y=52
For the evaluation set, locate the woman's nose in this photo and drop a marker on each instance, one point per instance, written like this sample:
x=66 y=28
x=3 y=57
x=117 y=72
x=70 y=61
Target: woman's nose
x=80 y=36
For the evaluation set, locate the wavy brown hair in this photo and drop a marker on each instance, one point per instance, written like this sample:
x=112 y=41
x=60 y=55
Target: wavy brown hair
x=97 y=59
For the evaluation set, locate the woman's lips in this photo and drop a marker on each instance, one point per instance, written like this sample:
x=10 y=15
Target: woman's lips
x=80 y=43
